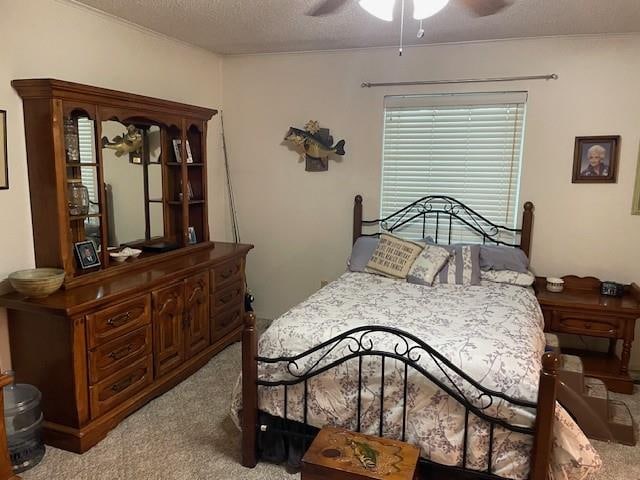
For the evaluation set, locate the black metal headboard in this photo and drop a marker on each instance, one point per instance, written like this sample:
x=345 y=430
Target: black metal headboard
x=444 y=210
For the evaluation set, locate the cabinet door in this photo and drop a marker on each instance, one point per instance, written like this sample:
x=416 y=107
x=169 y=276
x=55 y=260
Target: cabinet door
x=168 y=344
x=196 y=314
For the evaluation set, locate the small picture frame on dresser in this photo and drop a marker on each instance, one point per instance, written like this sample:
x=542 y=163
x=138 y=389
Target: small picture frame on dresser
x=192 y=239
x=86 y=254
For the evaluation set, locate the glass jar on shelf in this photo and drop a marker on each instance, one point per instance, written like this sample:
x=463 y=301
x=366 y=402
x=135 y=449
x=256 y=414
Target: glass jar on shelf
x=78 y=197
x=71 y=140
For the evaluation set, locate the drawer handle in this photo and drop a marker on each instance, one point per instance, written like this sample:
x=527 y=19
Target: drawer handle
x=121 y=353
x=227 y=298
x=227 y=274
x=119 y=320
x=119 y=386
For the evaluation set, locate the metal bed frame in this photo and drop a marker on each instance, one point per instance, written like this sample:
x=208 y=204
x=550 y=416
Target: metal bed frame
x=409 y=350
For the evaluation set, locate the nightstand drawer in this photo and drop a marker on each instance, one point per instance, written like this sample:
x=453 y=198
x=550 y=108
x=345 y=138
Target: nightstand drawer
x=586 y=324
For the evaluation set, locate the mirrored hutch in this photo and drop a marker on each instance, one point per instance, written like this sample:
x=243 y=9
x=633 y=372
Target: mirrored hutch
x=110 y=171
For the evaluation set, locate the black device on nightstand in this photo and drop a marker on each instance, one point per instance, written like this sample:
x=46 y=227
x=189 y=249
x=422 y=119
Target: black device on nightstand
x=612 y=289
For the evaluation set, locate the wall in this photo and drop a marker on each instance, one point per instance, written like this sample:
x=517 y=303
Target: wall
x=301 y=222
x=49 y=38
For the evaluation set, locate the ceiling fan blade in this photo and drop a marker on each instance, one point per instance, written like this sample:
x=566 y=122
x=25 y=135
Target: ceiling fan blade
x=484 y=8
x=327 y=7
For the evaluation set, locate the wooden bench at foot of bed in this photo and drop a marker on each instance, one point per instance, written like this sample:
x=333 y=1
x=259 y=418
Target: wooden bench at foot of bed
x=343 y=455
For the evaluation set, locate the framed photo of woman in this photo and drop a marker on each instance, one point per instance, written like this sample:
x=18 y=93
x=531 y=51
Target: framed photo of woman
x=595 y=159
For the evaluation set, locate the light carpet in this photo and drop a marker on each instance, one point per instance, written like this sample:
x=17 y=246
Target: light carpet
x=187 y=434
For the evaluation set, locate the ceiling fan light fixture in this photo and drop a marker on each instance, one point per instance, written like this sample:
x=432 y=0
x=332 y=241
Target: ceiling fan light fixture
x=426 y=8
x=382 y=9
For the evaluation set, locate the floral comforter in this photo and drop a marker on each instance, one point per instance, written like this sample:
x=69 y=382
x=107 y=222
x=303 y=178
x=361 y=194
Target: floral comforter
x=493 y=332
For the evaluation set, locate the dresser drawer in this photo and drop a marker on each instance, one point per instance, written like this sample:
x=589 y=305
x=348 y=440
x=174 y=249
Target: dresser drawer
x=225 y=321
x=112 y=322
x=586 y=324
x=121 y=386
x=226 y=274
x=111 y=357
x=227 y=297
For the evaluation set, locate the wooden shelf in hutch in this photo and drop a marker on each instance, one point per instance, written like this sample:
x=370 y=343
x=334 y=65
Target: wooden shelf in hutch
x=178 y=164
x=75 y=218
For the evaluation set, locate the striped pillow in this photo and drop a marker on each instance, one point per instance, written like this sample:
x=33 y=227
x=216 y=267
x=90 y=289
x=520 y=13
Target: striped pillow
x=463 y=267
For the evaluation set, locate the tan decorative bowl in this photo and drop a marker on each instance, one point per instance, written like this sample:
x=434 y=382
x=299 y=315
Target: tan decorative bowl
x=37 y=282
x=555 y=285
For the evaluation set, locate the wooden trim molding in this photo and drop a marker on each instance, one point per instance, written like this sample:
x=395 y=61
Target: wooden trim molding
x=48 y=87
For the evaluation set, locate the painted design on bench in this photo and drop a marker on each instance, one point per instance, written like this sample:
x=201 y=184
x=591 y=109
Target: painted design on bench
x=361 y=452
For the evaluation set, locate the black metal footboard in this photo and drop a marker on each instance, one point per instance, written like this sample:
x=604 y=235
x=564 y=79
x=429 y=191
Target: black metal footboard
x=412 y=354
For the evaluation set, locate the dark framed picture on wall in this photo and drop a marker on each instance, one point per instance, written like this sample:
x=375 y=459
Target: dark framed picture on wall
x=595 y=159
x=4 y=167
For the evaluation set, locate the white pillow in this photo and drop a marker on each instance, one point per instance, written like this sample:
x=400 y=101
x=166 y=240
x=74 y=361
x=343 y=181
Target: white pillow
x=509 y=276
x=428 y=264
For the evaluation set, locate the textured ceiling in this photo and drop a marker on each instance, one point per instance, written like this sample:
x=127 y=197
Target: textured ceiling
x=260 y=26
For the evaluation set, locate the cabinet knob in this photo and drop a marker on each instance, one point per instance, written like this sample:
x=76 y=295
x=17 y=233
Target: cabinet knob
x=119 y=319
x=120 y=353
x=119 y=386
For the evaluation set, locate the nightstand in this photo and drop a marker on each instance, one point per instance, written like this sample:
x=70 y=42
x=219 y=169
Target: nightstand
x=581 y=310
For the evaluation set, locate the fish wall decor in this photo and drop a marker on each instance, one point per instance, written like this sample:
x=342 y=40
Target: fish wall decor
x=129 y=142
x=315 y=145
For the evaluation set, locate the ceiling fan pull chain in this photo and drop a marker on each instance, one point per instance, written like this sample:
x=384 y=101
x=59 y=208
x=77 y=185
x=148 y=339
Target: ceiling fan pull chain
x=401 y=27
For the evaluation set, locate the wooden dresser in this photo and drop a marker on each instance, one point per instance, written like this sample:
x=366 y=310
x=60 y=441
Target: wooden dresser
x=109 y=170
x=99 y=352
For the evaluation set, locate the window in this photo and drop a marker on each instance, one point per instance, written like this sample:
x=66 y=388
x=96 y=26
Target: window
x=466 y=146
x=87 y=149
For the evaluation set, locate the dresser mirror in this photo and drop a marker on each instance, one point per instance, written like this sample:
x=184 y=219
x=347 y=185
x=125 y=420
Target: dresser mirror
x=131 y=155
x=126 y=170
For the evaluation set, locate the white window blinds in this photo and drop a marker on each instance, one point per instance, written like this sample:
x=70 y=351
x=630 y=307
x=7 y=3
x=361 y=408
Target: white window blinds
x=466 y=146
x=87 y=149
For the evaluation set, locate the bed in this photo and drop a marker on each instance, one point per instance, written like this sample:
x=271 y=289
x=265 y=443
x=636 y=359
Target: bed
x=453 y=369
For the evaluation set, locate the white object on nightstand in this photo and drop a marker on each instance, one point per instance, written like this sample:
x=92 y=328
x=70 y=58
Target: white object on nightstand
x=555 y=285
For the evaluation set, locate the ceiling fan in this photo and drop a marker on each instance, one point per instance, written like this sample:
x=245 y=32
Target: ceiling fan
x=383 y=9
